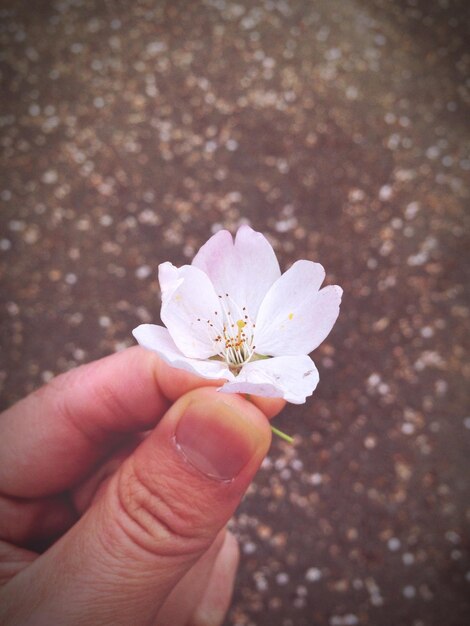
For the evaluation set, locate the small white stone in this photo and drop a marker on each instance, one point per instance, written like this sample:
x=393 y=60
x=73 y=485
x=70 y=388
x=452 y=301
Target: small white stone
x=453 y=537
x=261 y=583
x=412 y=210
x=316 y=479
x=47 y=376
x=394 y=544
x=210 y=146
x=409 y=592
x=50 y=177
x=106 y=220
x=374 y=380
x=385 y=192
x=427 y=332
x=352 y=92
x=407 y=428
x=249 y=547
x=285 y=474
x=313 y=574
x=267 y=464
x=376 y=599
x=155 y=47
x=282 y=578
x=34 y=110
x=143 y=272
x=12 y=308
x=79 y=354
x=104 y=321
x=16 y=226
x=370 y=442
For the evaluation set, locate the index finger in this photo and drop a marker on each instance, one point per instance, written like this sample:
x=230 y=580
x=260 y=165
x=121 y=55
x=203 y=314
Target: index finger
x=52 y=438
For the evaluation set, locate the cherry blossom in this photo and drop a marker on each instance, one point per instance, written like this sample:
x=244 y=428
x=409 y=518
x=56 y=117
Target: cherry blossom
x=231 y=315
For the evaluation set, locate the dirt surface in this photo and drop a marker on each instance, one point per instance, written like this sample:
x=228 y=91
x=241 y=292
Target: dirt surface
x=131 y=131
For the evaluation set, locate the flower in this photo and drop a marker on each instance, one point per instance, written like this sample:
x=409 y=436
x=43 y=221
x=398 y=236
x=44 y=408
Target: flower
x=231 y=315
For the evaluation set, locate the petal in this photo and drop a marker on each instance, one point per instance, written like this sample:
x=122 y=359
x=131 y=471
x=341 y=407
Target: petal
x=290 y=377
x=245 y=269
x=169 y=278
x=158 y=339
x=189 y=307
x=294 y=317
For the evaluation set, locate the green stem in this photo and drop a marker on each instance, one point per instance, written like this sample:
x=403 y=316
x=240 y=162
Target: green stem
x=282 y=435
x=276 y=431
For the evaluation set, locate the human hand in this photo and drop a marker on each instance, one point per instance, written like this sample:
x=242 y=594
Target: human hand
x=116 y=481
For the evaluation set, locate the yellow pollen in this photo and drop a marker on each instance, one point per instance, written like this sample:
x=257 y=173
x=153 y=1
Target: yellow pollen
x=290 y=316
x=241 y=324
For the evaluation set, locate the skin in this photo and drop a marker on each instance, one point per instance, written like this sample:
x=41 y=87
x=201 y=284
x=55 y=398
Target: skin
x=102 y=519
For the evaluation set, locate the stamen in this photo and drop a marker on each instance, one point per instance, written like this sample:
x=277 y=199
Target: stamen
x=233 y=338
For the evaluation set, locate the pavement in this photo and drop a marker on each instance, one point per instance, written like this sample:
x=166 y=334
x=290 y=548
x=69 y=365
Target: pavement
x=131 y=131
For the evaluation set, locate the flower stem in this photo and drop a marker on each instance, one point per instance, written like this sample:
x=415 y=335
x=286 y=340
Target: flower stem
x=282 y=435
x=276 y=431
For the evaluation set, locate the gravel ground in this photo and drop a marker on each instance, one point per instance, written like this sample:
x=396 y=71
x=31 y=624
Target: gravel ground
x=131 y=131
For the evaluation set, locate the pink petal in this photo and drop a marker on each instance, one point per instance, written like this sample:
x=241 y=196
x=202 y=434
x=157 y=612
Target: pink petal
x=245 y=269
x=189 y=307
x=295 y=317
x=158 y=339
x=290 y=377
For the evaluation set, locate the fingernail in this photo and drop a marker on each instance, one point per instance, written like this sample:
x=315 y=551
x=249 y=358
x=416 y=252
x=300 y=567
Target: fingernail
x=216 y=439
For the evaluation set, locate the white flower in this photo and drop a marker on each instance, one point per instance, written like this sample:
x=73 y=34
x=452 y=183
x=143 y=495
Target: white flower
x=231 y=315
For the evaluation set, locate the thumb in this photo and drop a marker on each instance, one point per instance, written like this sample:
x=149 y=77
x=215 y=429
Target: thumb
x=159 y=513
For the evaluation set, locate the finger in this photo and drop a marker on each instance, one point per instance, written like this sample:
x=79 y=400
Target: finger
x=51 y=439
x=185 y=597
x=216 y=600
x=31 y=523
x=13 y=560
x=94 y=484
x=269 y=406
x=160 y=513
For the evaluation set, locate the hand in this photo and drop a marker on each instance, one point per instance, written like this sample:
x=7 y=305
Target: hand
x=117 y=480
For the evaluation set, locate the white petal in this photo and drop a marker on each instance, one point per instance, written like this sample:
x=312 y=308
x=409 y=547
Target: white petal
x=245 y=269
x=169 y=278
x=294 y=317
x=290 y=377
x=158 y=339
x=189 y=306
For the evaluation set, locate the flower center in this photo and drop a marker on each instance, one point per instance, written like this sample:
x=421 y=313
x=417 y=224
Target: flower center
x=233 y=334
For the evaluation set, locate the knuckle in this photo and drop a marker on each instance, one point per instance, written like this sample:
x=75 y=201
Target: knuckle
x=157 y=516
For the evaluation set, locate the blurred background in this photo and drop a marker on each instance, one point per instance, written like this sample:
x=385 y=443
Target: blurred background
x=132 y=131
